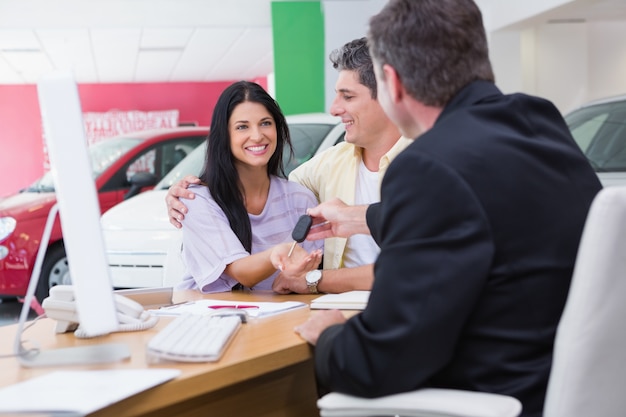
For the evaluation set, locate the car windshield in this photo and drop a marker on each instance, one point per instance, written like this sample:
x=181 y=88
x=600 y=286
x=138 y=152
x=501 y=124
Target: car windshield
x=102 y=154
x=600 y=131
x=190 y=165
x=305 y=138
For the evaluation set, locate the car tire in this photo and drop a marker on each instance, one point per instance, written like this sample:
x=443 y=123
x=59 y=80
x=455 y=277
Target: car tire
x=54 y=271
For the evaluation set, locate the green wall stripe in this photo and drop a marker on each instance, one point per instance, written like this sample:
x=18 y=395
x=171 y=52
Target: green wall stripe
x=298 y=36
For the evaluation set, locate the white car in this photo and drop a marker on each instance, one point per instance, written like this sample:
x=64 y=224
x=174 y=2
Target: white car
x=143 y=248
x=599 y=128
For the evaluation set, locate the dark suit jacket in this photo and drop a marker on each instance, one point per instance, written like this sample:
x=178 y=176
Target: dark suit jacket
x=479 y=224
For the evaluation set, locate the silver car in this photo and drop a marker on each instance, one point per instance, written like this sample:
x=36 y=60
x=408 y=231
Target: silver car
x=599 y=128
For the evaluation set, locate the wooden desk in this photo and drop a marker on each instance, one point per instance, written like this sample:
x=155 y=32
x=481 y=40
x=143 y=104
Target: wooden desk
x=266 y=371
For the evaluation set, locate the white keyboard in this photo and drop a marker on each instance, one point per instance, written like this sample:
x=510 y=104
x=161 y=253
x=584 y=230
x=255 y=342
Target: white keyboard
x=195 y=338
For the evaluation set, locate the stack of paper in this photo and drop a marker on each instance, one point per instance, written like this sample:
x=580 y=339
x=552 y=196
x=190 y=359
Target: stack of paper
x=351 y=300
x=207 y=306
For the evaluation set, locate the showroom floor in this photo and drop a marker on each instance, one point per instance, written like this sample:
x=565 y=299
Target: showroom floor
x=10 y=310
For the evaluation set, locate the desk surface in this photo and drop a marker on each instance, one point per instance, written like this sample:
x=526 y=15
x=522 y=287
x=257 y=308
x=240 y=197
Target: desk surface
x=266 y=371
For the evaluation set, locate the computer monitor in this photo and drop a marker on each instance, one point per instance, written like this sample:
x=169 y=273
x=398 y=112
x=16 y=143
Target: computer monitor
x=79 y=210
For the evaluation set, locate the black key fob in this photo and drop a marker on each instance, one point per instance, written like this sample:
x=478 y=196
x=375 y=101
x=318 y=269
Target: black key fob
x=302 y=228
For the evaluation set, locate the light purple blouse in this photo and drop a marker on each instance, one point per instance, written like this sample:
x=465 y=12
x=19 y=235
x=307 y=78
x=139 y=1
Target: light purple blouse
x=209 y=244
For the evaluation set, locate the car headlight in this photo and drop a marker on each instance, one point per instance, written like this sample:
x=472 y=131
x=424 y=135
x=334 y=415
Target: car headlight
x=7 y=226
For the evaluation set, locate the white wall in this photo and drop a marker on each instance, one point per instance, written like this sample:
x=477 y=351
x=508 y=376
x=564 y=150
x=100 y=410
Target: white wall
x=344 y=21
x=561 y=68
x=607 y=59
x=506 y=54
x=567 y=63
x=498 y=14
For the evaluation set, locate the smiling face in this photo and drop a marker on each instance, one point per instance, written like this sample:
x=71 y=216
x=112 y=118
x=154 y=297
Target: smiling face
x=362 y=115
x=253 y=135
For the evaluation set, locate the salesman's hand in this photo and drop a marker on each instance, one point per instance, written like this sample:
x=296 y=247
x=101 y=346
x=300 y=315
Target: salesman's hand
x=311 y=329
x=334 y=218
x=175 y=208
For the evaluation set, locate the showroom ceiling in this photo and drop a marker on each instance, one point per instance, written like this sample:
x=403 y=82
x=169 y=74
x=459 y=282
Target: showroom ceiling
x=114 y=41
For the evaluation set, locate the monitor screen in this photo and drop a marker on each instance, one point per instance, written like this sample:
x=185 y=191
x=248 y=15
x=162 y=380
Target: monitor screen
x=78 y=202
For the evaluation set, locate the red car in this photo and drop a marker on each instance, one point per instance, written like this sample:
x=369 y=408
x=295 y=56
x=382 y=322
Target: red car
x=122 y=167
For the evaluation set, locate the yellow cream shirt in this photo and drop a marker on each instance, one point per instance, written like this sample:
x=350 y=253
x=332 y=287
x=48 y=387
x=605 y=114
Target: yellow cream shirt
x=333 y=174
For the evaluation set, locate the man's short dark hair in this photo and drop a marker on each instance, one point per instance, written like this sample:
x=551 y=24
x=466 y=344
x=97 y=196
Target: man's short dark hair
x=355 y=56
x=437 y=47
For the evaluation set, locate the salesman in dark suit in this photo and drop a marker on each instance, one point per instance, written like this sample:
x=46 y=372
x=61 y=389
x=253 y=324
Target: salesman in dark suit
x=479 y=222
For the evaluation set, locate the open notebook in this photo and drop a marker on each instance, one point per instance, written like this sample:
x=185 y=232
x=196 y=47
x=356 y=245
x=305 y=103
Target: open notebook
x=351 y=300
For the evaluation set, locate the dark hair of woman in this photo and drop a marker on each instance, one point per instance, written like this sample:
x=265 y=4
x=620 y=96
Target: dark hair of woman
x=219 y=171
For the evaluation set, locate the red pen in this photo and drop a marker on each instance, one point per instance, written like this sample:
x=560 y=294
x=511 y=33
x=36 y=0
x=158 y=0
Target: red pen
x=238 y=306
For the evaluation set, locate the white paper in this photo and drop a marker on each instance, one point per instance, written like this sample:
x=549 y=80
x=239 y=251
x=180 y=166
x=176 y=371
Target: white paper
x=350 y=300
x=80 y=392
x=261 y=309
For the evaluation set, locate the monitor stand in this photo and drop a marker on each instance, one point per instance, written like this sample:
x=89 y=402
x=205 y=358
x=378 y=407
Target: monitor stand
x=79 y=355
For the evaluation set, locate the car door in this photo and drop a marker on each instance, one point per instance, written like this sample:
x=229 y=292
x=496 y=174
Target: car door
x=155 y=160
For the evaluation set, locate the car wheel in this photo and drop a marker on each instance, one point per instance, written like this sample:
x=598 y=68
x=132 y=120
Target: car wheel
x=54 y=271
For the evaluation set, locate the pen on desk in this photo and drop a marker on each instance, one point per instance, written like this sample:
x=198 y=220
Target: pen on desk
x=242 y=306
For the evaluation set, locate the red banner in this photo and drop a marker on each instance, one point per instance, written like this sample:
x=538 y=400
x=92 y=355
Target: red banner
x=99 y=126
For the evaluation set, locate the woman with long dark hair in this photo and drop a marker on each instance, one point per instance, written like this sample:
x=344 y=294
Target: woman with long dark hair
x=244 y=208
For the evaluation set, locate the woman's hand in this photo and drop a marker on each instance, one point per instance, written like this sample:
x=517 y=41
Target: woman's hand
x=299 y=261
x=293 y=268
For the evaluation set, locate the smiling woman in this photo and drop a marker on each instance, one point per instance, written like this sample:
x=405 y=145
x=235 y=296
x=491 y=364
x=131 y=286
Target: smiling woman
x=245 y=209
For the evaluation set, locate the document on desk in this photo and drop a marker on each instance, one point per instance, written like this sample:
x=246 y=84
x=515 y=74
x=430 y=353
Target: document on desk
x=350 y=300
x=206 y=306
x=79 y=392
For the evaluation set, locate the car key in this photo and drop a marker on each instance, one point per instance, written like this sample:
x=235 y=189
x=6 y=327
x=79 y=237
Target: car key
x=300 y=231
